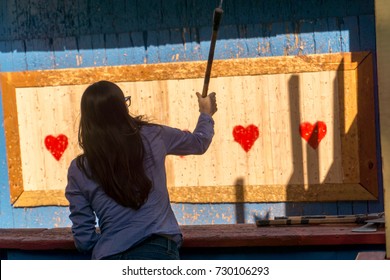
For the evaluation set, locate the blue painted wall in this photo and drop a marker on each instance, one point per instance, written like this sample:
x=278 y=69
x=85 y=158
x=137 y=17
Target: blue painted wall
x=56 y=34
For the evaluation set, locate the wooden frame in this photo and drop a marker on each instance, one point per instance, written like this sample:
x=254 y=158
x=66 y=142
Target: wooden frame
x=358 y=146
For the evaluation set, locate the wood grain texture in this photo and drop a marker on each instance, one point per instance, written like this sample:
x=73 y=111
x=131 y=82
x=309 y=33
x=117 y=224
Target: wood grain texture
x=209 y=236
x=269 y=174
x=190 y=70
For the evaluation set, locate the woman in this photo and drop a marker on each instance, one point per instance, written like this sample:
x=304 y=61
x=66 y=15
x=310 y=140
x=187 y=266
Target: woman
x=120 y=177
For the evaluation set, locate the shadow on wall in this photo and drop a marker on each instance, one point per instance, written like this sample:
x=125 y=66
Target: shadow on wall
x=311 y=155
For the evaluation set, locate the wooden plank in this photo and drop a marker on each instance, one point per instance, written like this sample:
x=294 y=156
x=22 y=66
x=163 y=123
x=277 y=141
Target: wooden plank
x=200 y=13
x=5 y=57
x=278 y=39
x=182 y=70
x=83 y=18
x=247 y=235
x=152 y=47
x=307 y=9
x=217 y=194
x=177 y=44
x=12 y=138
x=173 y=14
x=269 y=193
x=350 y=34
x=307 y=44
x=149 y=13
x=209 y=236
x=65 y=53
x=346 y=82
x=367 y=32
x=19 y=59
x=98 y=50
x=70 y=12
x=382 y=13
x=367 y=145
x=12 y=239
x=166 y=51
x=274 y=11
x=39 y=54
x=360 y=7
x=251 y=36
x=334 y=35
x=191 y=44
x=73 y=18
x=94 y=17
x=112 y=51
x=204 y=42
x=234 y=48
x=335 y=8
x=138 y=48
x=322 y=36
x=125 y=51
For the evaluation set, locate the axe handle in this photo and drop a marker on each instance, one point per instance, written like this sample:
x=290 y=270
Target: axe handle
x=216 y=21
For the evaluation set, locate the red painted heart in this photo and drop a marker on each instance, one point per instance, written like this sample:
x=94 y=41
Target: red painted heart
x=313 y=134
x=246 y=136
x=56 y=145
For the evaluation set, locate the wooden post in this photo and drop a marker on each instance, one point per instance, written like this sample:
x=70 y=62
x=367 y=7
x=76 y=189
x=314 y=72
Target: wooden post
x=382 y=15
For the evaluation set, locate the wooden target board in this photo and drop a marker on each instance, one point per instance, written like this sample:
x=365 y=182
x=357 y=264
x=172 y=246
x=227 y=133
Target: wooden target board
x=296 y=128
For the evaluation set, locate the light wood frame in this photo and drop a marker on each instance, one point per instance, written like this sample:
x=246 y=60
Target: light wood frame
x=357 y=81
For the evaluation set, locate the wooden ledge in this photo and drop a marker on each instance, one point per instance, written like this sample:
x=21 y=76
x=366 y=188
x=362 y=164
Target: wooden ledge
x=248 y=235
x=228 y=235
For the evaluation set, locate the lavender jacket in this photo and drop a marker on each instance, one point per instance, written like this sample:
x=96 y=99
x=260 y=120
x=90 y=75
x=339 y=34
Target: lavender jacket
x=121 y=227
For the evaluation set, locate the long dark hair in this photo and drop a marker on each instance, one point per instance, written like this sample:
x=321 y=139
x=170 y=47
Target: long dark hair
x=112 y=146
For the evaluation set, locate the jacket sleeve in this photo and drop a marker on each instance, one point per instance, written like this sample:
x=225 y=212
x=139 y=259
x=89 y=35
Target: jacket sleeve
x=178 y=142
x=82 y=216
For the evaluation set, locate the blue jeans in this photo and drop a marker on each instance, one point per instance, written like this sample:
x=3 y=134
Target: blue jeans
x=155 y=247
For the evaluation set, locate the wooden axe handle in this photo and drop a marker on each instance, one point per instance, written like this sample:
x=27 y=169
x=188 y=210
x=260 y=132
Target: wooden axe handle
x=216 y=21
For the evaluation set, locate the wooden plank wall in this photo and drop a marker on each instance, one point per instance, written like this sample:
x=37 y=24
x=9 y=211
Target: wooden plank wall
x=54 y=34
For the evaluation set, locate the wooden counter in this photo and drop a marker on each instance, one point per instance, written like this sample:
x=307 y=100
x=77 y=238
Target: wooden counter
x=227 y=235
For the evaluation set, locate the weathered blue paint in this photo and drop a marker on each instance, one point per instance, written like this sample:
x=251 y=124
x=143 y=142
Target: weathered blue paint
x=350 y=34
x=6 y=213
x=367 y=32
x=335 y=38
x=112 y=51
x=190 y=37
x=139 y=47
x=18 y=54
x=85 y=51
x=53 y=19
x=39 y=54
x=98 y=50
x=278 y=39
x=5 y=58
x=65 y=53
x=306 y=37
x=124 y=43
x=36 y=35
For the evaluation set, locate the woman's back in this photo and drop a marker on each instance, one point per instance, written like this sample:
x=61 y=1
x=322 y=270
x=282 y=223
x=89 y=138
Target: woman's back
x=123 y=227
